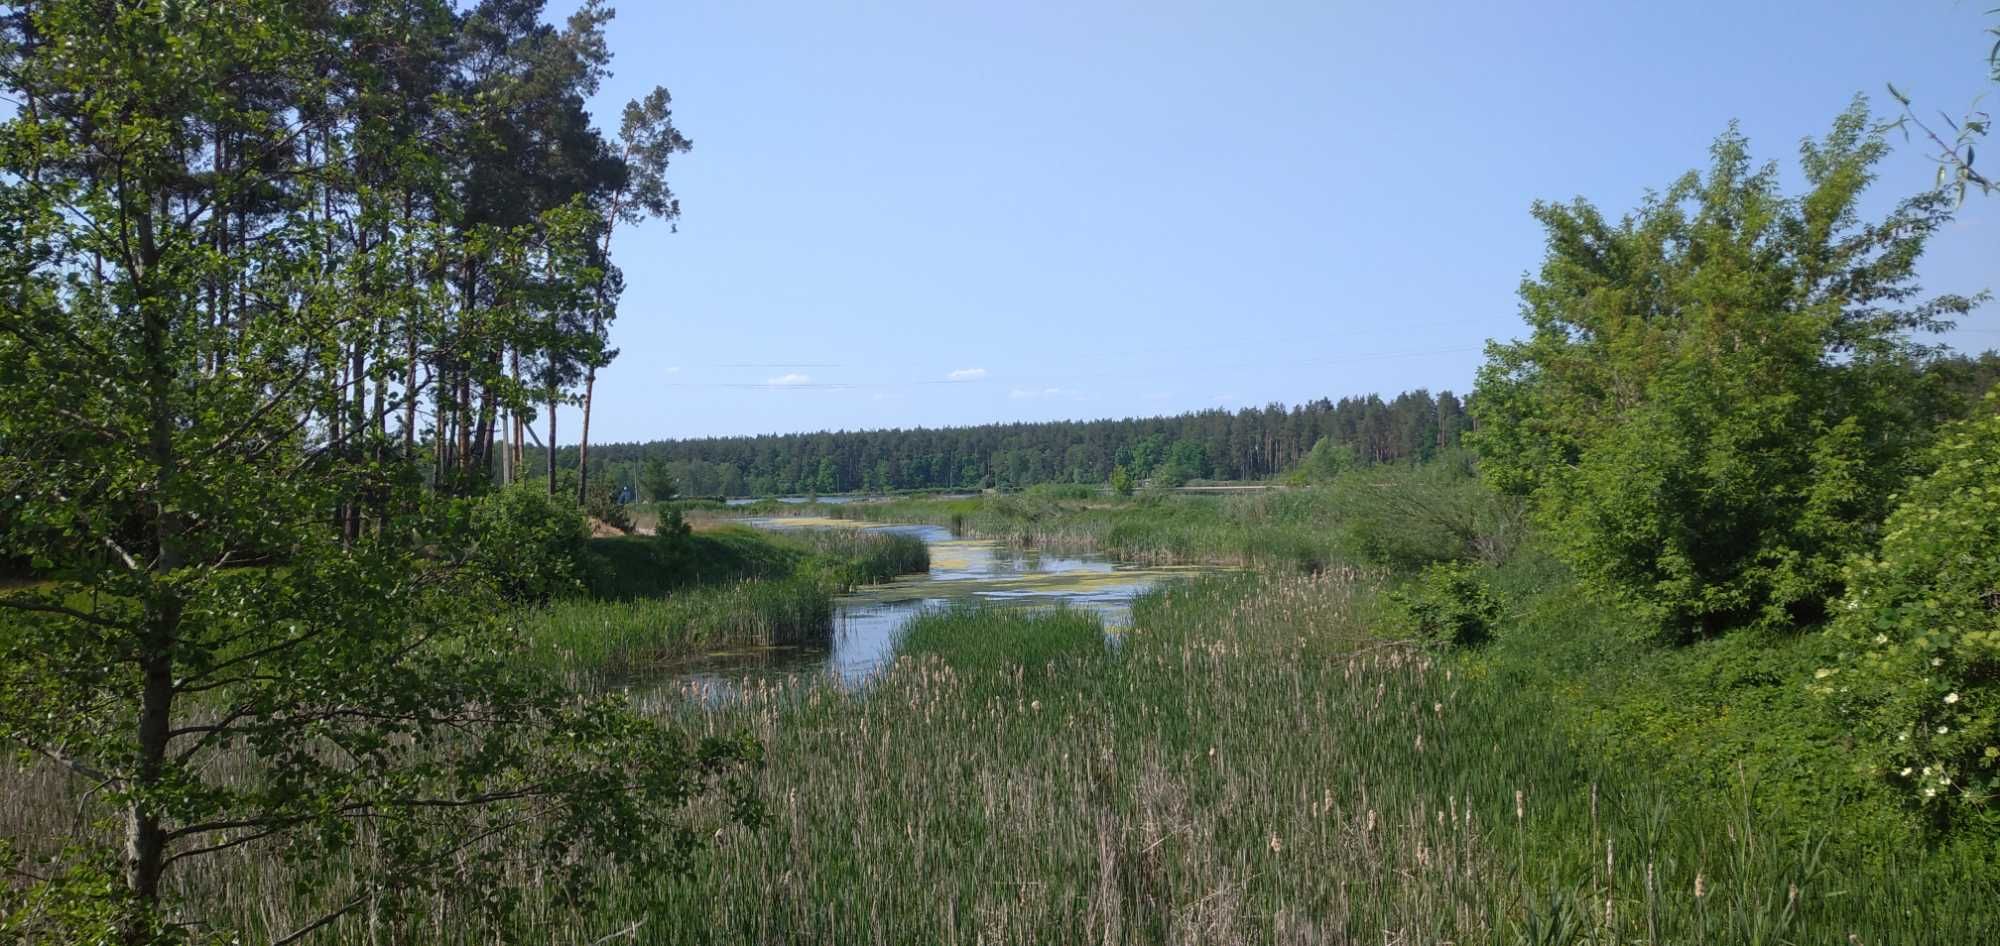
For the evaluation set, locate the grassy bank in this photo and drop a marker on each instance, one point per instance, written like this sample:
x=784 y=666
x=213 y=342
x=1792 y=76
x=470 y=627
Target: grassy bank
x=1403 y=516
x=657 y=600
x=1250 y=763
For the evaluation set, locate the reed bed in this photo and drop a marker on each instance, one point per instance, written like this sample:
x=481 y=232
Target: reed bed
x=621 y=637
x=1247 y=765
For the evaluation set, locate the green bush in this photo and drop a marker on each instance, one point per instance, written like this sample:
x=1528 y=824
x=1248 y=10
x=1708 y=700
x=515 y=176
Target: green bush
x=1921 y=629
x=1449 y=605
x=1407 y=516
x=529 y=546
x=1719 y=392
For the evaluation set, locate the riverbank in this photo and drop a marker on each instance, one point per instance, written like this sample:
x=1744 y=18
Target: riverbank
x=664 y=598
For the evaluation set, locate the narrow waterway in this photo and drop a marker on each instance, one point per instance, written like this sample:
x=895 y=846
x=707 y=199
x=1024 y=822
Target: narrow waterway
x=867 y=622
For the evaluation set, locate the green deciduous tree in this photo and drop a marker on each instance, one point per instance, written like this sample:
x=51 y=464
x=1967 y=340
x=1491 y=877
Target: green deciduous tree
x=1719 y=392
x=253 y=638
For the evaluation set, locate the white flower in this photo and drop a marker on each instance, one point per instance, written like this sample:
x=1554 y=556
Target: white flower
x=1906 y=772
x=1927 y=771
x=1937 y=661
x=1930 y=793
x=1950 y=698
x=1943 y=729
x=1881 y=638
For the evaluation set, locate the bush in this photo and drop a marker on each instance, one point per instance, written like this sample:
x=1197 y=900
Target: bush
x=1407 y=516
x=529 y=546
x=1449 y=605
x=1921 y=629
x=1714 y=407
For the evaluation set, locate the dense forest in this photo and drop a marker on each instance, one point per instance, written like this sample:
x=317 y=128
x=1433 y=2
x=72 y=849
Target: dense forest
x=1214 y=444
x=1249 y=444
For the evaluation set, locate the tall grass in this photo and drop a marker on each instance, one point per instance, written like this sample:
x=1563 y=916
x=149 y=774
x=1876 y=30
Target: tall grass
x=620 y=637
x=1396 y=515
x=727 y=588
x=1250 y=765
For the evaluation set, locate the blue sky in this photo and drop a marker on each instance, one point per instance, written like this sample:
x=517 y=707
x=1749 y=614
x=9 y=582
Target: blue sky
x=928 y=213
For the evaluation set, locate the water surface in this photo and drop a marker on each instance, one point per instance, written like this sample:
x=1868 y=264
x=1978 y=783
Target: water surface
x=867 y=622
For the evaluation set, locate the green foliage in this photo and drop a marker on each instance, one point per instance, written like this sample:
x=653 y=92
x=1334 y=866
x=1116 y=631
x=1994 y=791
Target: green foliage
x=657 y=483
x=1327 y=460
x=1920 y=632
x=1407 y=516
x=1121 y=481
x=529 y=546
x=1448 y=605
x=1053 y=491
x=620 y=637
x=992 y=637
x=265 y=651
x=1247 y=444
x=1719 y=394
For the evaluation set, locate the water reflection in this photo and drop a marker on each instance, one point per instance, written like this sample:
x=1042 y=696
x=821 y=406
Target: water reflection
x=866 y=623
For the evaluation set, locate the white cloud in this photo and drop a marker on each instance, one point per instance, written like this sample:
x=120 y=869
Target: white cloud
x=966 y=374
x=791 y=378
x=1024 y=393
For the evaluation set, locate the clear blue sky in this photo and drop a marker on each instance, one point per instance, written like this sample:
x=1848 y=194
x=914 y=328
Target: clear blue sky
x=1108 y=209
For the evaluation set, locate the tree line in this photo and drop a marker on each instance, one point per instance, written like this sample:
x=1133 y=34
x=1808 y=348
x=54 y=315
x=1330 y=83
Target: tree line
x=1249 y=444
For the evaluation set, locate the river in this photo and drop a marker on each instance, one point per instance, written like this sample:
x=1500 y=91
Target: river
x=866 y=623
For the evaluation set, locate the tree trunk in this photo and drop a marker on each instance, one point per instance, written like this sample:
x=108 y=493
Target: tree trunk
x=552 y=442
x=583 y=438
x=145 y=835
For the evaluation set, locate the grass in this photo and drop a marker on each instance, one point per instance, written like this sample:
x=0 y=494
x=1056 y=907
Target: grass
x=1250 y=764
x=726 y=588
x=971 y=637
x=622 y=637
x=1403 y=516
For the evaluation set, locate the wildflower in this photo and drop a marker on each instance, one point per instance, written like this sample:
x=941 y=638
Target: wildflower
x=1822 y=673
x=1950 y=698
x=1881 y=638
x=1943 y=729
x=1937 y=661
x=1700 y=890
x=1930 y=793
x=1036 y=706
x=1906 y=772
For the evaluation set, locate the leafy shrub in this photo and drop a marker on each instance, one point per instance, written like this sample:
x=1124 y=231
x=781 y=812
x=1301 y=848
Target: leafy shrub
x=529 y=546
x=1921 y=626
x=1449 y=605
x=1408 y=516
x=1121 y=481
x=1713 y=409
